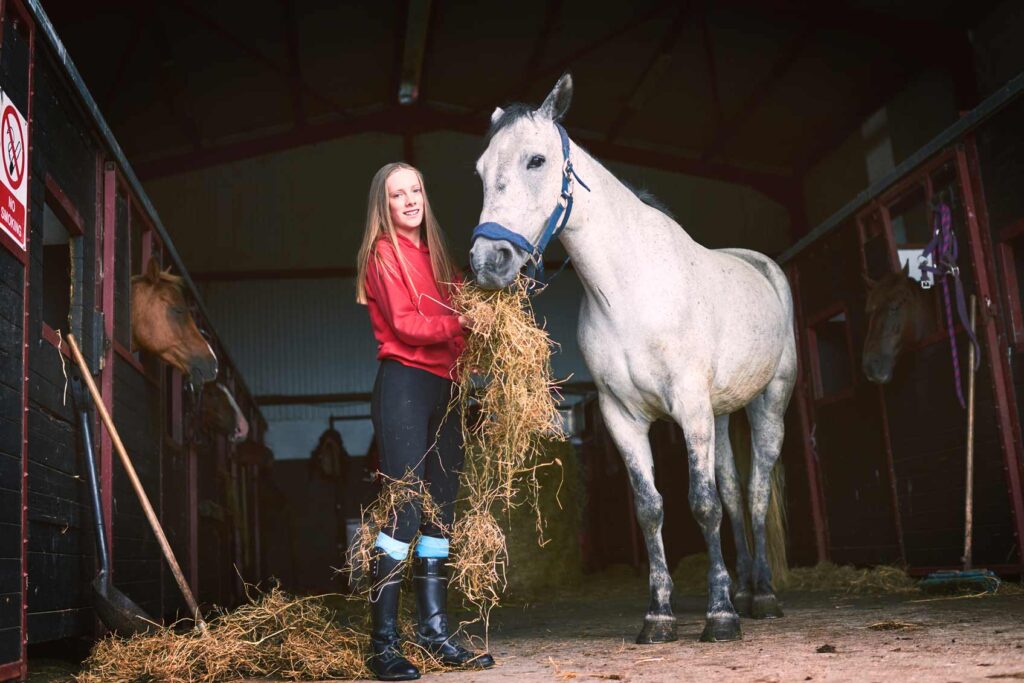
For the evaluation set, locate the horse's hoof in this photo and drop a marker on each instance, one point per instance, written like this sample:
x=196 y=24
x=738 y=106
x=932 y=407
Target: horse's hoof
x=721 y=628
x=766 y=607
x=660 y=630
x=743 y=601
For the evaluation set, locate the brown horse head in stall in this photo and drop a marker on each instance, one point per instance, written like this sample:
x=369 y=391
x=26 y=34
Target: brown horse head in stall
x=221 y=414
x=162 y=324
x=896 y=311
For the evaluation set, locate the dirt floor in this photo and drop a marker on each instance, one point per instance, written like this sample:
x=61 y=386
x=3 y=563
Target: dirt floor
x=588 y=636
x=822 y=638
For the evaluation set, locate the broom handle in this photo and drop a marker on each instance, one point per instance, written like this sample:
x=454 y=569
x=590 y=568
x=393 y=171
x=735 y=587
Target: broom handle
x=136 y=484
x=969 y=503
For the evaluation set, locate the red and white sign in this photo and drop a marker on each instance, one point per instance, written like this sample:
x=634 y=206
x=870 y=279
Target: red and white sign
x=13 y=183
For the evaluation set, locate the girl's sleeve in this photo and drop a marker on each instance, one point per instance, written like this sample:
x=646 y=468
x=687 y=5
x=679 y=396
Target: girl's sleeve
x=389 y=290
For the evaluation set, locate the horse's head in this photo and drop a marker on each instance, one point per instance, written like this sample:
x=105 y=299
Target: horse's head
x=221 y=414
x=162 y=324
x=895 y=320
x=521 y=171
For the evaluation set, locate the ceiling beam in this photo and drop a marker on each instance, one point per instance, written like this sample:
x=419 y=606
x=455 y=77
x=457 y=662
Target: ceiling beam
x=172 y=89
x=242 y=46
x=415 y=120
x=552 y=17
x=652 y=73
x=387 y=120
x=892 y=80
x=788 y=56
x=130 y=46
x=712 y=65
x=291 y=34
x=557 y=68
x=417 y=25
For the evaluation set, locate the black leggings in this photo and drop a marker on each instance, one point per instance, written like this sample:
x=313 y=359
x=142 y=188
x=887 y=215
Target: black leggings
x=408 y=407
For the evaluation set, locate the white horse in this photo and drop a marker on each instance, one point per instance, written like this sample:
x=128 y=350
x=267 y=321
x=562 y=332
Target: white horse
x=668 y=329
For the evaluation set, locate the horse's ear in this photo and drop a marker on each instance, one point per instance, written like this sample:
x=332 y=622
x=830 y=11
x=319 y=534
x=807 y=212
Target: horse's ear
x=906 y=268
x=871 y=284
x=556 y=104
x=152 y=273
x=496 y=115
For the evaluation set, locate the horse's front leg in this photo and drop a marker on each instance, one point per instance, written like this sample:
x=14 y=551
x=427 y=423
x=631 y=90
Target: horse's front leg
x=630 y=435
x=697 y=419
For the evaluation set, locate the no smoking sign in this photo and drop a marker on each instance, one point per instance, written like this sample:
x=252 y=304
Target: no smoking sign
x=14 y=157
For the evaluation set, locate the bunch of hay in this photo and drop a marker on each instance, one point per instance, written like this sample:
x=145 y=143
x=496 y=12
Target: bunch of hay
x=826 y=576
x=274 y=635
x=509 y=418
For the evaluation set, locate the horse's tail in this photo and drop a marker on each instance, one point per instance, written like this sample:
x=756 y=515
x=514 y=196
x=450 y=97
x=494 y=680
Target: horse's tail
x=775 y=522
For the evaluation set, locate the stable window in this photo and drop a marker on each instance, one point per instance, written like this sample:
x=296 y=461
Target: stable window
x=62 y=230
x=1011 y=257
x=832 y=367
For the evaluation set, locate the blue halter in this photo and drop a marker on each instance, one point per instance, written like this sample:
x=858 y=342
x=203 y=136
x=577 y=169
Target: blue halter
x=556 y=221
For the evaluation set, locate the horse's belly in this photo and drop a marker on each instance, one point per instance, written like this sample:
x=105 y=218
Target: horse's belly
x=743 y=371
x=730 y=391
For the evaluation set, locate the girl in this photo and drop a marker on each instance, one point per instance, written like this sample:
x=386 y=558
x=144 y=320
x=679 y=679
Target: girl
x=405 y=279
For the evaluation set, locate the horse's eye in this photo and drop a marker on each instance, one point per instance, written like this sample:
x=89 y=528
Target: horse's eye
x=536 y=161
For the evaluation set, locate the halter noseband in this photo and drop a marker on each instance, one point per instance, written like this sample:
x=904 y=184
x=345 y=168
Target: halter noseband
x=556 y=221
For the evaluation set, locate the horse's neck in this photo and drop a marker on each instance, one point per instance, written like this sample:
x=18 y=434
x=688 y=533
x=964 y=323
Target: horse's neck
x=610 y=229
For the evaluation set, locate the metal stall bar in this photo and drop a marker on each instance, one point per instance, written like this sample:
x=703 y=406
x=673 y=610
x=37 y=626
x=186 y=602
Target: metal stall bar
x=992 y=104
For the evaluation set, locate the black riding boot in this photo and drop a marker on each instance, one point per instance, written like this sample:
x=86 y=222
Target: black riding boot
x=430 y=576
x=387 y=662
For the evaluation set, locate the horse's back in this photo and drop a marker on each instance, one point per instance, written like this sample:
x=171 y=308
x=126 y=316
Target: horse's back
x=770 y=270
x=780 y=284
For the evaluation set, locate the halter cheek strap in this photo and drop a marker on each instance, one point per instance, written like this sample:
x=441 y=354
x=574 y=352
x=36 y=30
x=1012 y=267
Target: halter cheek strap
x=556 y=221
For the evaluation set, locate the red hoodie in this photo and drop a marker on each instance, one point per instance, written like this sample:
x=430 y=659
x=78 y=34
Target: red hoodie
x=421 y=334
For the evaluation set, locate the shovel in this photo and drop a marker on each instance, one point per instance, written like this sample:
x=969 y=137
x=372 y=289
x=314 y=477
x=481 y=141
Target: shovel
x=147 y=507
x=115 y=609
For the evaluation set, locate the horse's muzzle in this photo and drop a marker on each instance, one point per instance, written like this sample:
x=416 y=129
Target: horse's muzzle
x=878 y=369
x=203 y=369
x=495 y=263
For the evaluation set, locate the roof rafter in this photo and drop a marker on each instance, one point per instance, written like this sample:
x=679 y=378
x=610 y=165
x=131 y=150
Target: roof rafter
x=652 y=73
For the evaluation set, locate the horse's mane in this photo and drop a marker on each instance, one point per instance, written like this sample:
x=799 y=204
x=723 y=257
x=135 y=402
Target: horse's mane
x=175 y=281
x=519 y=110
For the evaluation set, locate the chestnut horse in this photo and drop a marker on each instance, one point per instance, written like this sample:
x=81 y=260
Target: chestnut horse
x=162 y=324
x=897 y=319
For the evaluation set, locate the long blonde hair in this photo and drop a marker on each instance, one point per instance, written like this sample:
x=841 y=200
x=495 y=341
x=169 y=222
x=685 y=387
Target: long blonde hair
x=379 y=226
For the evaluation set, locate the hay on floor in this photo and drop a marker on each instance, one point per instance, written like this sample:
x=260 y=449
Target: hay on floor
x=826 y=576
x=275 y=635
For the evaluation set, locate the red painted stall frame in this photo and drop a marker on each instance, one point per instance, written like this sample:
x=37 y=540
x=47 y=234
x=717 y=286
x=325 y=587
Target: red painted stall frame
x=802 y=399
x=968 y=183
x=19 y=667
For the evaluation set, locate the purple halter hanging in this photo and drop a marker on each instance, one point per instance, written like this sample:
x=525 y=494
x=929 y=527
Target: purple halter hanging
x=943 y=251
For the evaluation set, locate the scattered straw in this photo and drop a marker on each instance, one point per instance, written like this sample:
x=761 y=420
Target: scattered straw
x=395 y=494
x=893 y=625
x=273 y=635
x=826 y=576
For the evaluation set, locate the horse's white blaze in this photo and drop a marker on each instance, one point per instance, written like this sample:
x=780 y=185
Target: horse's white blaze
x=241 y=424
